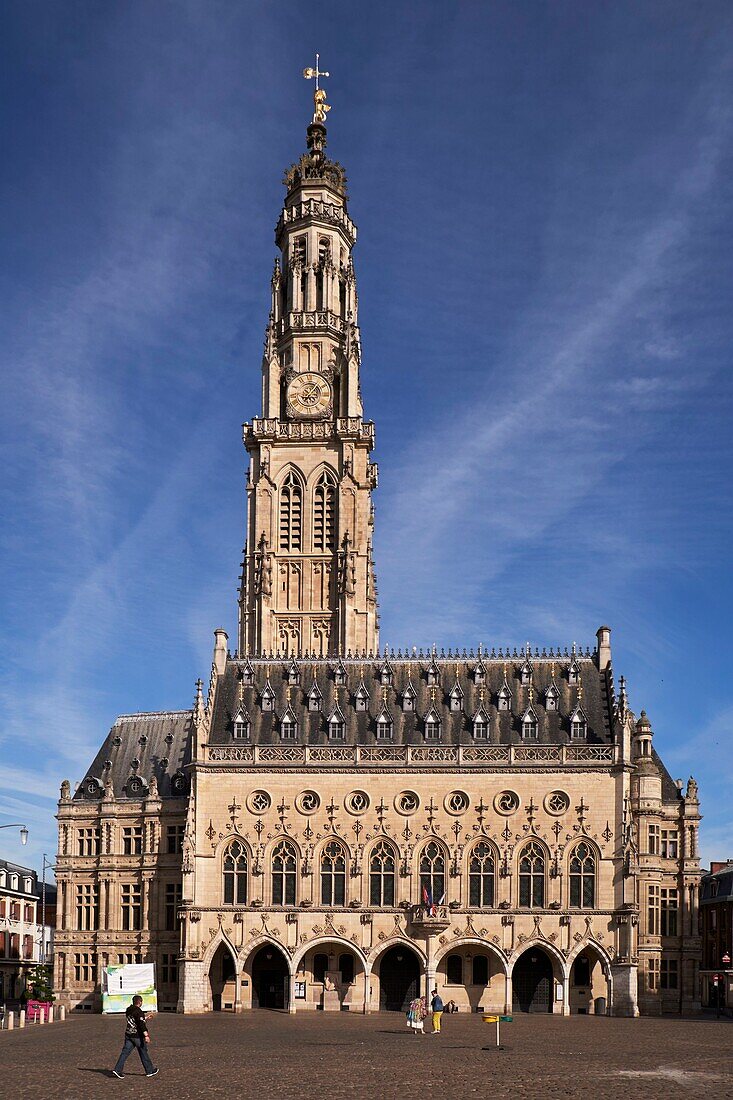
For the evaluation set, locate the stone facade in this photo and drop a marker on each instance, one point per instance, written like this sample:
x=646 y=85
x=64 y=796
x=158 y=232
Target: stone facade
x=338 y=827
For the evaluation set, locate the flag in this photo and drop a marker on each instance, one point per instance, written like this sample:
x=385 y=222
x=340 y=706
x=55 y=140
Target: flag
x=427 y=897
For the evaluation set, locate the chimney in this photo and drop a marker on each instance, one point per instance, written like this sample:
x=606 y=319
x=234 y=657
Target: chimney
x=603 y=634
x=220 y=650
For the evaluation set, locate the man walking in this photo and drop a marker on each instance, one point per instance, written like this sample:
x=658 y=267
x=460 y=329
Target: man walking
x=436 y=1007
x=136 y=1036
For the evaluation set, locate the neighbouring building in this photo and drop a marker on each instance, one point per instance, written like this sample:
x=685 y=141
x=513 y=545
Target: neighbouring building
x=336 y=826
x=23 y=938
x=716 y=925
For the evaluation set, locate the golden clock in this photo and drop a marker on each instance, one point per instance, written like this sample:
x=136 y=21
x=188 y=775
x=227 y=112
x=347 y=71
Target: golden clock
x=309 y=394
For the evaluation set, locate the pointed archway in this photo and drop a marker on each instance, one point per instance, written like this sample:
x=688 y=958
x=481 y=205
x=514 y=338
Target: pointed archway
x=270 y=977
x=533 y=981
x=399 y=978
x=223 y=979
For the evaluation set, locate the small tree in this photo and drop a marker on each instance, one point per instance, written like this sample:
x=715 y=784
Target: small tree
x=39 y=985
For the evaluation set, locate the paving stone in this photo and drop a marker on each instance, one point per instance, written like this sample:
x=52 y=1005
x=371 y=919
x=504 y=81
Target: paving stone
x=270 y=1054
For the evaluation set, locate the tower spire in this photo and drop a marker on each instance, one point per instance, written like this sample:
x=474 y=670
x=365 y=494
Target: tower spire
x=308 y=583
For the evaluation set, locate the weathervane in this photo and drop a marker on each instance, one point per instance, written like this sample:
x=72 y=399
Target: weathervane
x=321 y=108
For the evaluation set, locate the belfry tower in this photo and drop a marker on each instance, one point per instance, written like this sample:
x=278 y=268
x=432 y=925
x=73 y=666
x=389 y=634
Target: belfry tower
x=308 y=583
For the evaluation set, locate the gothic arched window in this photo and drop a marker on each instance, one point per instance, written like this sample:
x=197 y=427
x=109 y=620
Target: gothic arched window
x=291 y=513
x=324 y=513
x=382 y=874
x=235 y=874
x=454 y=970
x=432 y=874
x=284 y=866
x=481 y=877
x=532 y=876
x=333 y=874
x=583 y=877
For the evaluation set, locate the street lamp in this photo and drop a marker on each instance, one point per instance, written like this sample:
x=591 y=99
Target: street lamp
x=23 y=830
x=46 y=863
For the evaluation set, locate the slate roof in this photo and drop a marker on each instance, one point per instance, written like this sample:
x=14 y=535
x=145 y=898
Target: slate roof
x=553 y=727
x=143 y=746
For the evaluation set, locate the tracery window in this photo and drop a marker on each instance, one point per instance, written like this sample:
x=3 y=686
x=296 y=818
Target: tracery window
x=284 y=866
x=432 y=874
x=333 y=874
x=324 y=513
x=291 y=513
x=583 y=877
x=532 y=876
x=382 y=874
x=235 y=874
x=481 y=877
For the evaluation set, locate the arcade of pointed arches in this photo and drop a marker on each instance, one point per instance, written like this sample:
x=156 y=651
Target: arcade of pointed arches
x=333 y=972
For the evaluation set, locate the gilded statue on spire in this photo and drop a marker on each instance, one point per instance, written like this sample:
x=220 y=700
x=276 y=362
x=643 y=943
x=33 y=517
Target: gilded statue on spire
x=321 y=108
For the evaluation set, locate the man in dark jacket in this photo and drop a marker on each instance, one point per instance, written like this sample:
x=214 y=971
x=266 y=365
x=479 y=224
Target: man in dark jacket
x=136 y=1036
x=436 y=1005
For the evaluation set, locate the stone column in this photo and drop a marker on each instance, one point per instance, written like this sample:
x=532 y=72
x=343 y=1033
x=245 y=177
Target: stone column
x=508 y=995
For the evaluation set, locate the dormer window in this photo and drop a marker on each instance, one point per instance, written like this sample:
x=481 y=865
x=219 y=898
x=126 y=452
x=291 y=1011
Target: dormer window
x=384 y=726
x=479 y=674
x=293 y=673
x=361 y=698
x=529 y=725
x=481 y=726
x=27 y=885
x=267 y=699
x=336 y=725
x=432 y=726
x=240 y=726
x=248 y=675
x=552 y=698
x=288 y=726
x=578 y=725
x=504 y=698
x=574 y=673
x=456 y=699
x=525 y=674
x=339 y=675
x=409 y=698
x=314 y=698
x=385 y=674
x=433 y=673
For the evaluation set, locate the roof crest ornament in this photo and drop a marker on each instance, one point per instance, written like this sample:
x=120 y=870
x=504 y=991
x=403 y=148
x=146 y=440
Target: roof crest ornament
x=321 y=108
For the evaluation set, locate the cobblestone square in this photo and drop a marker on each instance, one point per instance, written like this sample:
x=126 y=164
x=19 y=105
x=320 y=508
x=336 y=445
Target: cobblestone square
x=270 y=1054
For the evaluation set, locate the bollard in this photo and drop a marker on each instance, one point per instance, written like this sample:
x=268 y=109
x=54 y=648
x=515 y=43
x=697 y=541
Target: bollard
x=62 y=1013
x=50 y=1014
x=41 y=1016
x=21 y=1021
x=10 y=1021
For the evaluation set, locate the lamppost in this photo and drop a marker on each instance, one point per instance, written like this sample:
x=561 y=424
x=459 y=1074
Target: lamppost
x=46 y=863
x=23 y=830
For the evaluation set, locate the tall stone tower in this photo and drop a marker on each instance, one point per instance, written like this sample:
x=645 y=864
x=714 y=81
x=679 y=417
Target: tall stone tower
x=308 y=583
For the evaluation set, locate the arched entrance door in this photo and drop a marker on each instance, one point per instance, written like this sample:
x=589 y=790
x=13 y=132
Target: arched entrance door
x=270 y=978
x=532 y=982
x=223 y=979
x=399 y=979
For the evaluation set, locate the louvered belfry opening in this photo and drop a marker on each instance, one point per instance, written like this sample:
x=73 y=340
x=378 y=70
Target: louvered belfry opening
x=291 y=513
x=324 y=509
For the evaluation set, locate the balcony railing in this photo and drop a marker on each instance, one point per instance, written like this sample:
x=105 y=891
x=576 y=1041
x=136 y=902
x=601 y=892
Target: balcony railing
x=414 y=755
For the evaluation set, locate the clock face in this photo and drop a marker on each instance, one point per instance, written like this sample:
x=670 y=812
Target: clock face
x=309 y=394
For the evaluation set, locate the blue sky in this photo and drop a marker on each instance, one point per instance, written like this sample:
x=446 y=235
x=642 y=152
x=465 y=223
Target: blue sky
x=545 y=267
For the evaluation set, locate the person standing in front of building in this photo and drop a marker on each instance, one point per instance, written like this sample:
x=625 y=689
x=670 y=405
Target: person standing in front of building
x=436 y=1007
x=136 y=1037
